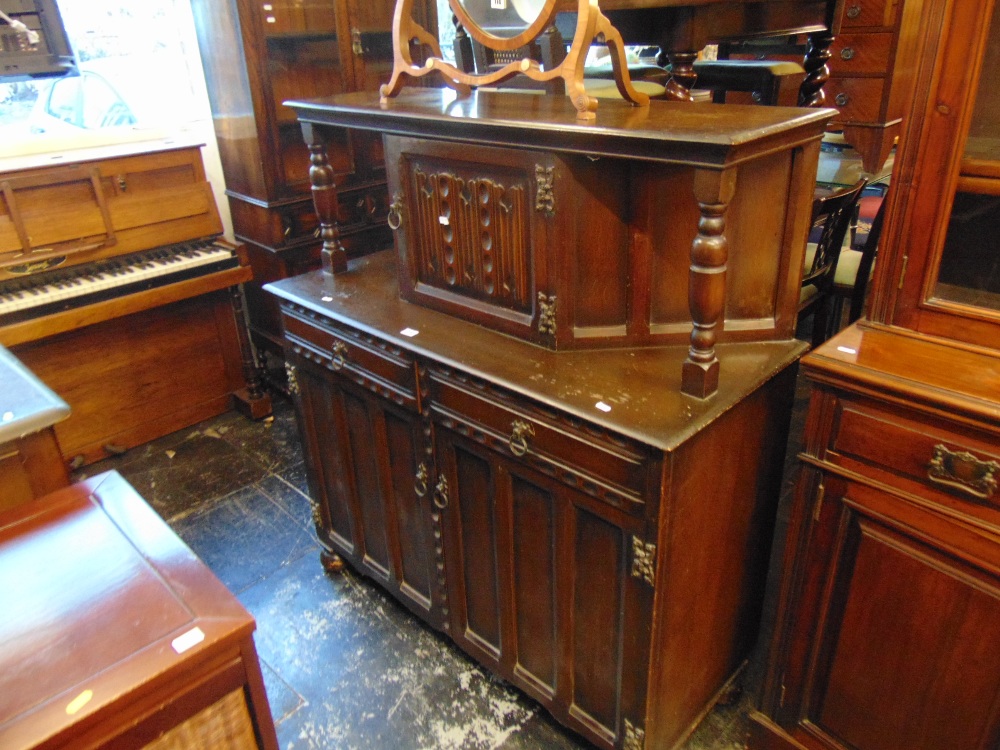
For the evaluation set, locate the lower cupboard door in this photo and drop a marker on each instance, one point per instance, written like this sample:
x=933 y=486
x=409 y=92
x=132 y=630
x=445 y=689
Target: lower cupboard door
x=540 y=589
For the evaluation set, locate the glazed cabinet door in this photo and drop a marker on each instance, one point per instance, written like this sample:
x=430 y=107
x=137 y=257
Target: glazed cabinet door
x=368 y=471
x=896 y=616
x=542 y=587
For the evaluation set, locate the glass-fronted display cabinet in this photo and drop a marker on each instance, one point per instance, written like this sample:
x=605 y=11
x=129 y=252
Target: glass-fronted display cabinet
x=941 y=274
x=258 y=54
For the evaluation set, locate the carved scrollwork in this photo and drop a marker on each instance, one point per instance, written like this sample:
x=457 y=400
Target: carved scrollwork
x=291 y=373
x=644 y=560
x=545 y=199
x=546 y=314
x=635 y=737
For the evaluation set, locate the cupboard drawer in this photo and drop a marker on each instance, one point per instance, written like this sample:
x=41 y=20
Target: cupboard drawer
x=599 y=463
x=861 y=53
x=868 y=13
x=858 y=99
x=370 y=362
x=941 y=460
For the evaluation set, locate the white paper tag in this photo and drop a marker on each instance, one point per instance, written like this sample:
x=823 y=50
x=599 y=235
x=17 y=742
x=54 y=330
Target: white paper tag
x=188 y=640
x=602 y=406
x=443 y=220
x=411 y=332
x=847 y=350
x=498 y=4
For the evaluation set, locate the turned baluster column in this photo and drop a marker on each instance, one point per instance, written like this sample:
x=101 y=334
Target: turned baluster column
x=682 y=75
x=817 y=71
x=707 y=282
x=324 y=194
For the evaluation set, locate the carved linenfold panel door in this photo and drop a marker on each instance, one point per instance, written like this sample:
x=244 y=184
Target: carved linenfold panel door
x=541 y=587
x=375 y=505
x=472 y=236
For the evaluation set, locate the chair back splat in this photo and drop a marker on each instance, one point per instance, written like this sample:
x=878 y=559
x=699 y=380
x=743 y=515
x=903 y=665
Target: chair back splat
x=833 y=215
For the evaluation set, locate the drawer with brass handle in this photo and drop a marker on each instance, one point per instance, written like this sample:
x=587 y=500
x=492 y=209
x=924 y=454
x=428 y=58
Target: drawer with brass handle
x=861 y=54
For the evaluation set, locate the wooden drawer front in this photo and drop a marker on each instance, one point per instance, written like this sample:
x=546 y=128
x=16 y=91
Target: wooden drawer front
x=941 y=460
x=868 y=13
x=595 y=461
x=378 y=366
x=298 y=223
x=858 y=99
x=860 y=53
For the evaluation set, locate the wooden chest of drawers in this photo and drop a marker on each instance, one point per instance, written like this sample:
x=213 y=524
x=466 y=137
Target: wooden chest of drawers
x=891 y=589
x=572 y=521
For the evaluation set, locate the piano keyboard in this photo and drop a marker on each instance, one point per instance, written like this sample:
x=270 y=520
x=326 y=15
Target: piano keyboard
x=53 y=291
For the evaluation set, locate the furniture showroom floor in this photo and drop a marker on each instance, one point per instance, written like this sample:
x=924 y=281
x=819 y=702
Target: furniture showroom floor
x=345 y=666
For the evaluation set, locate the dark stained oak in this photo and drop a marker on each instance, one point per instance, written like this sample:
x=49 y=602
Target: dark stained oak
x=512 y=213
x=591 y=534
x=97 y=590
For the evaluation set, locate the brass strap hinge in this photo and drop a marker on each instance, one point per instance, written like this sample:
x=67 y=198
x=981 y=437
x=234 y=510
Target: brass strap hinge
x=546 y=314
x=644 y=561
x=818 y=507
x=545 y=199
x=635 y=737
x=902 y=273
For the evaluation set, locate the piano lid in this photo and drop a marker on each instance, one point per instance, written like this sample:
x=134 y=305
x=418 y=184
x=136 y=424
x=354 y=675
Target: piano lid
x=92 y=209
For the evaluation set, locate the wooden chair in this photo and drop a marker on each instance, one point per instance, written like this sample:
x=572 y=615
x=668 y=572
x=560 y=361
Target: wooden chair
x=772 y=82
x=854 y=270
x=832 y=214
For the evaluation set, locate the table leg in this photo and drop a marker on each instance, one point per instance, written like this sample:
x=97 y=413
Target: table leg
x=682 y=75
x=817 y=71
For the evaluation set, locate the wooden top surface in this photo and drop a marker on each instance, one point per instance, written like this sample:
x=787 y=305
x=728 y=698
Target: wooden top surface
x=916 y=370
x=693 y=133
x=95 y=588
x=641 y=385
x=27 y=405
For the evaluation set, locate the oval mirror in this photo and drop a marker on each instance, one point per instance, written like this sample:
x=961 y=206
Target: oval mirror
x=503 y=19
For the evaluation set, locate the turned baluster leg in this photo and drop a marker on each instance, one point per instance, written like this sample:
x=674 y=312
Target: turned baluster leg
x=253 y=401
x=324 y=193
x=682 y=75
x=817 y=71
x=707 y=283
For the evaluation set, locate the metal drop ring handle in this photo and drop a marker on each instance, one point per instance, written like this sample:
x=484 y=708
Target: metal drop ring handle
x=441 y=493
x=854 y=11
x=420 y=481
x=395 y=216
x=842 y=99
x=339 y=355
x=963 y=471
x=518 y=441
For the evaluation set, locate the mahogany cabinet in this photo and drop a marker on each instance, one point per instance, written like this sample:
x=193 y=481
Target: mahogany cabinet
x=890 y=594
x=573 y=521
x=255 y=56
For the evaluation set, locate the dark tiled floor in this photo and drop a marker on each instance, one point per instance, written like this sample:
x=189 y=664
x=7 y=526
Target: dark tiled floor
x=344 y=665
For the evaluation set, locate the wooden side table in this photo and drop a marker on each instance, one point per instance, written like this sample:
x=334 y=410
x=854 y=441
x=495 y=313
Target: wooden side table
x=31 y=464
x=113 y=634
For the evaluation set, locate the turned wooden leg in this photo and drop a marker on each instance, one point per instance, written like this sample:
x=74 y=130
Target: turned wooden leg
x=707 y=282
x=811 y=92
x=253 y=401
x=331 y=561
x=324 y=193
x=682 y=75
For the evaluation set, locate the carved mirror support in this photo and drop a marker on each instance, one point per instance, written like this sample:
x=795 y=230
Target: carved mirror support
x=519 y=22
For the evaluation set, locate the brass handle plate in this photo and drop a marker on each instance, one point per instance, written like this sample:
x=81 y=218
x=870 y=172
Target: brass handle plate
x=963 y=471
x=339 y=355
x=518 y=441
x=847 y=53
x=420 y=481
x=854 y=11
x=441 y=493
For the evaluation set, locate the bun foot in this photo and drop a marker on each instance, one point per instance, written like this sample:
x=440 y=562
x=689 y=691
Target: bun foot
x=332 y=562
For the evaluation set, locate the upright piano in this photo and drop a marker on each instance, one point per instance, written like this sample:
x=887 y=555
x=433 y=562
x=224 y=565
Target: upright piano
x=119 y=292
